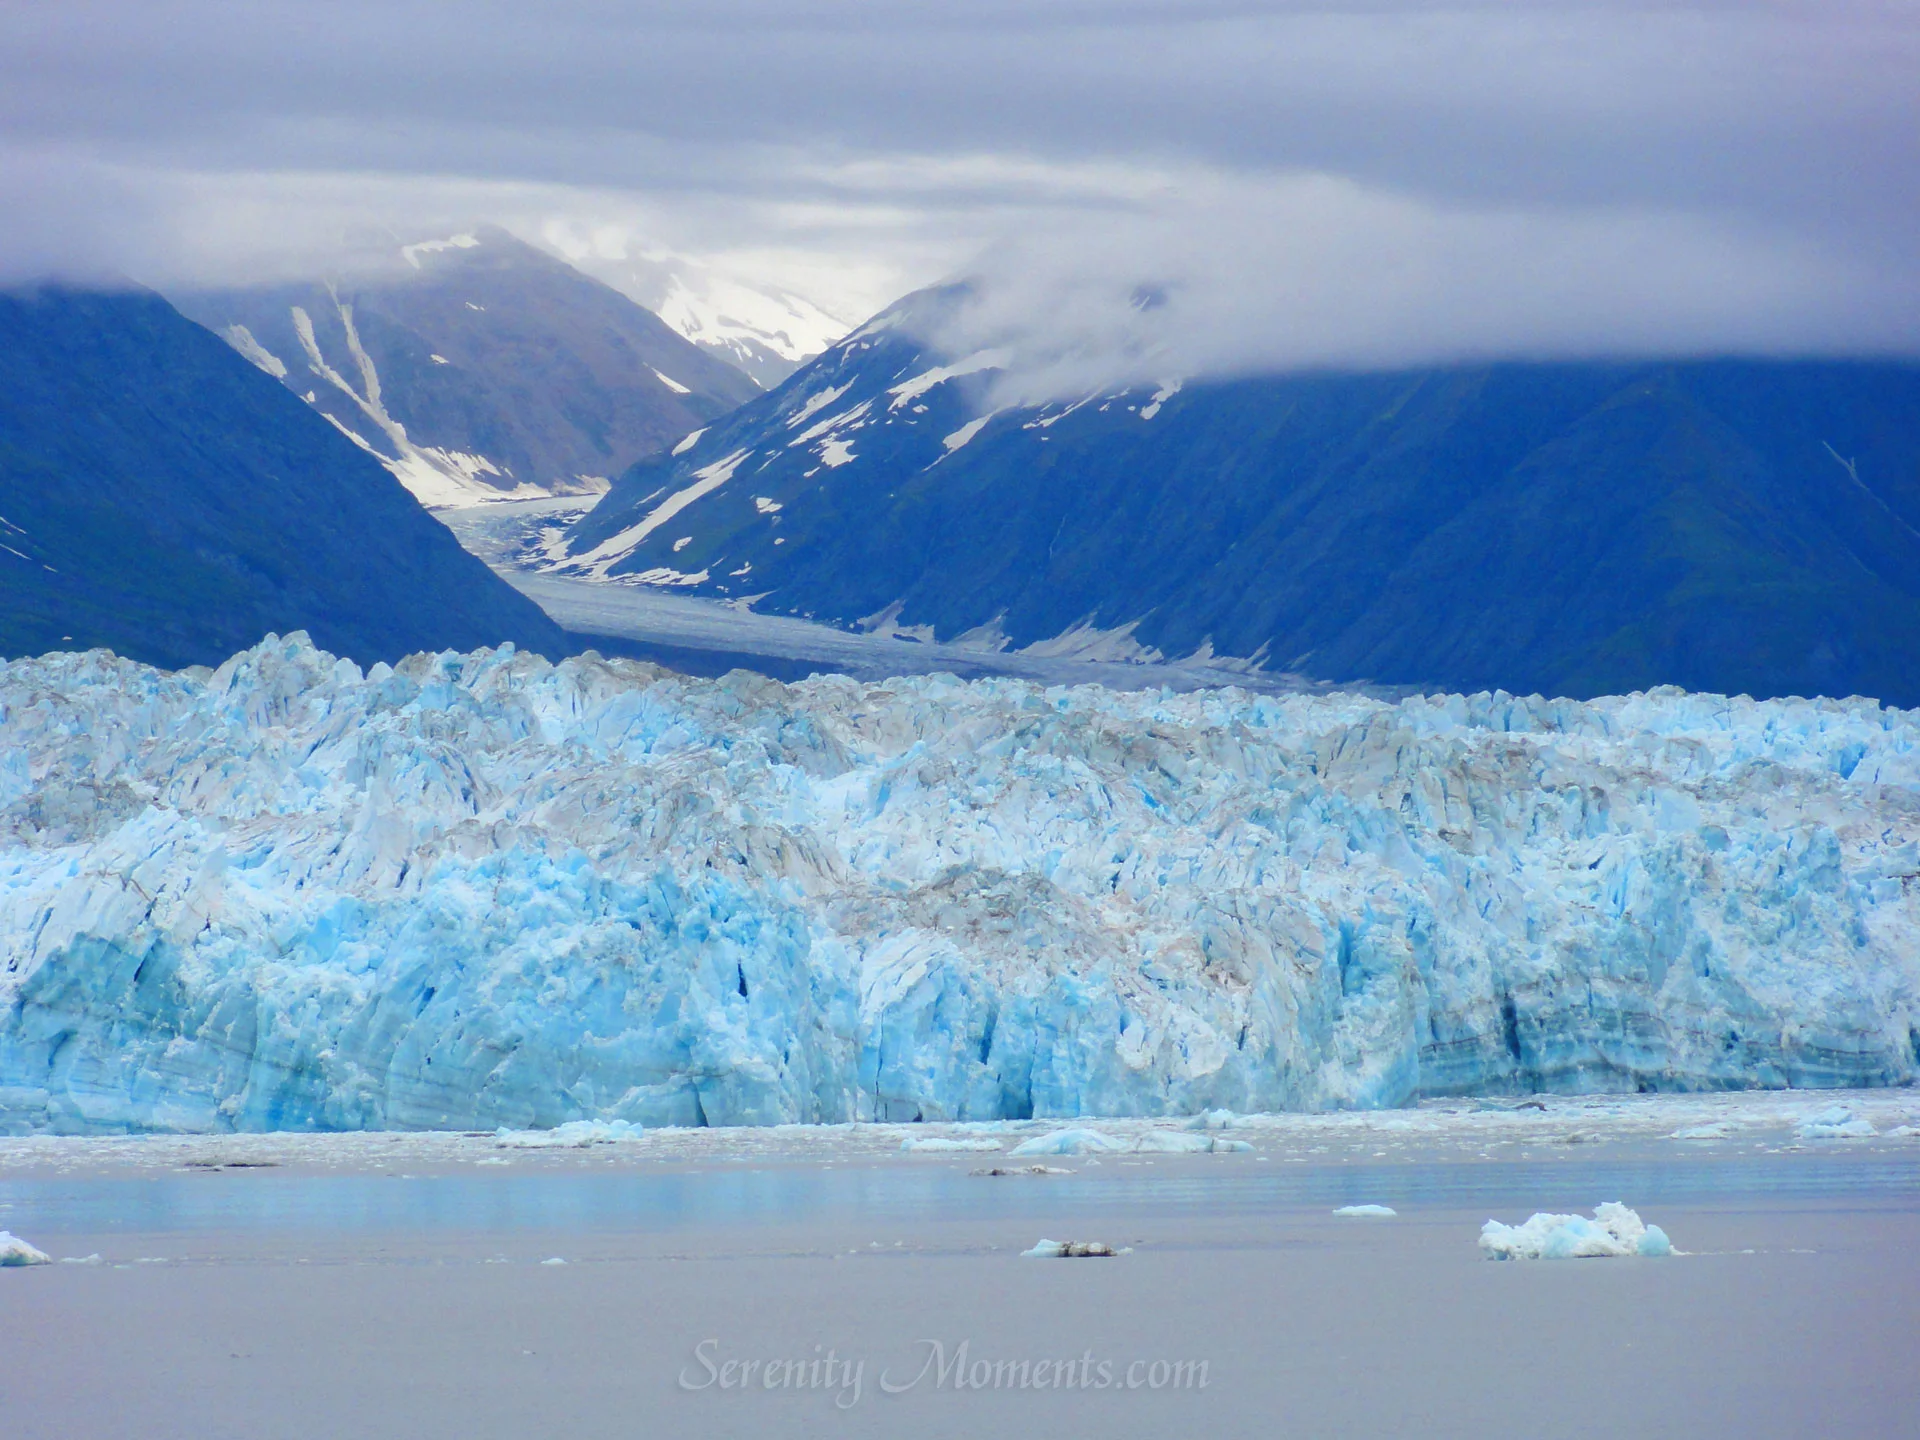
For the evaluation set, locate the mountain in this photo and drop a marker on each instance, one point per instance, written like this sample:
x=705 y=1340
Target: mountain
x=1740 y=526
x=763 y=330
x=162 y=497
x=479 y=367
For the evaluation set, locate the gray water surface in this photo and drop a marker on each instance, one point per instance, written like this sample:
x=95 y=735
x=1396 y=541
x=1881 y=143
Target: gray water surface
x=662 y=1199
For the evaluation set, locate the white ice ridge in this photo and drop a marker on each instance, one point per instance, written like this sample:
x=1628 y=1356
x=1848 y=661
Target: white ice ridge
x=1614 y=1231
x=482 y=891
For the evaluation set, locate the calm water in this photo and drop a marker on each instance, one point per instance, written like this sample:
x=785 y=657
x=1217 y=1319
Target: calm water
x=647 y=1199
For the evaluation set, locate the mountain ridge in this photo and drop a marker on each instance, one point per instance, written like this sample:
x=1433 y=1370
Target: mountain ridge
x=1576 y=528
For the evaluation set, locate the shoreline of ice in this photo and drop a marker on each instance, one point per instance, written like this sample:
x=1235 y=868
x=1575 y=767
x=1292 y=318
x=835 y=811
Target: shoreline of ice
x=1774 y=1122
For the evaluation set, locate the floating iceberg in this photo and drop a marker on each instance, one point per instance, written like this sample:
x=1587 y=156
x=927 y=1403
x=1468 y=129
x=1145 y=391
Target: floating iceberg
x=1174 y=1142
x=1068 y=1250
x=1835 y=1123
x=1371 y=1211
x=15 y=1251
x=481 y=891
x=1614 y=1231
x=1072 y=1142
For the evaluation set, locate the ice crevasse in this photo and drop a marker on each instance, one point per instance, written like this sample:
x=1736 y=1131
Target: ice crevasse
x=484 y=890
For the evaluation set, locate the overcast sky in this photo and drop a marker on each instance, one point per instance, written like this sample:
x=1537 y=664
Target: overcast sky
x=1305 y=183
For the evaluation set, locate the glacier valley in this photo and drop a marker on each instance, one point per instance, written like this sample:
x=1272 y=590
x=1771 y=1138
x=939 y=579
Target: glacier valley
x=484 y=890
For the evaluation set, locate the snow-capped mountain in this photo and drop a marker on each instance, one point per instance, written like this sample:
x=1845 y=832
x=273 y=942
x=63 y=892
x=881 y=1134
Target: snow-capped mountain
x=480 y=890
x=763 y=330
x=477 y=367
x=1743 y=526
x=160 y=496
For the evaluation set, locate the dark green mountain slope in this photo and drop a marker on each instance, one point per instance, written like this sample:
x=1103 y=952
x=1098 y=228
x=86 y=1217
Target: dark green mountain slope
x=161 y=496
x=1728 y=525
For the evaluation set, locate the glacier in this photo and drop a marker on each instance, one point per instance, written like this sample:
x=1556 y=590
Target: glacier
x=487 y=892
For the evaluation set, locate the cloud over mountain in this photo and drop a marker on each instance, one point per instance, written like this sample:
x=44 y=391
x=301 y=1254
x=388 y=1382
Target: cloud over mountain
x=1307 y=183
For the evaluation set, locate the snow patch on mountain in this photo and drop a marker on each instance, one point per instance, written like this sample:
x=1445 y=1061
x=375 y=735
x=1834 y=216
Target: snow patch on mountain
x=438 y=478
x=1168 y=389
x=907 y=391
x=849 y=419
x=1087 y=641
x=242 y=340
x=966 y=432
x=707 y=479
x=815 y=403
x=412 y=253
x=762 y=329
x=746 y=324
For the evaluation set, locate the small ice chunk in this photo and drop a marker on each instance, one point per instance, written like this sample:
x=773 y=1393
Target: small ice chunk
x=941 y=1144
x=1835 y=1123
x=1071 y=1142
x=1384 y=1211
x=553 y=1260
x=1172 y=1142
x=93 y=1259
x=1614 y=1231
x=1719 y=1130
x=575 y=1134
x=1067 y=1250
x=15 y=1251
x=1216 y=1120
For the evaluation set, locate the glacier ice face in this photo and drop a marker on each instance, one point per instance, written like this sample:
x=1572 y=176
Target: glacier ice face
x=480 y=891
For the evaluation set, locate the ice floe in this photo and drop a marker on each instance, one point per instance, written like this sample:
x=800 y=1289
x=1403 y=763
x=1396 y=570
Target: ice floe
x=1613 y=1232
x=15 y=1251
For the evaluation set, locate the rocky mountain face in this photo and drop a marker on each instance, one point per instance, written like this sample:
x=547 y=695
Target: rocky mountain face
x=162 y=497
x=1739 y=526
x=478 y=367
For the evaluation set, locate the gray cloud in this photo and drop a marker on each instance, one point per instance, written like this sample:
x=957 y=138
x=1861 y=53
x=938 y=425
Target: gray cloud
x=1312 y=182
